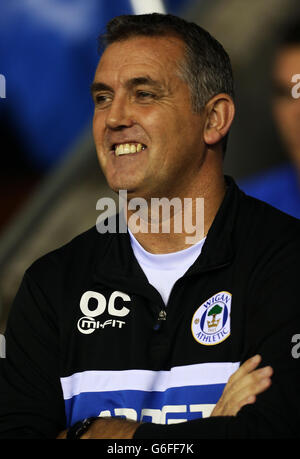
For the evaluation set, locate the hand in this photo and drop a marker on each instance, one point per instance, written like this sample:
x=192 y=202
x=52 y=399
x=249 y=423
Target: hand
x=107 y=428
x=242 y=387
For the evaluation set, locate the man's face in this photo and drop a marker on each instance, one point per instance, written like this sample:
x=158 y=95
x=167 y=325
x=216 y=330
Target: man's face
x=286 y=109
x=143 y=106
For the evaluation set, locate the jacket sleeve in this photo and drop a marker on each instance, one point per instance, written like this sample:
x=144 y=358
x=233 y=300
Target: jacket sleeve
x=31 y=401
x=272 y=320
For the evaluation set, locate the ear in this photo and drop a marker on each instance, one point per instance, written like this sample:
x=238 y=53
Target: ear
x=220 y=111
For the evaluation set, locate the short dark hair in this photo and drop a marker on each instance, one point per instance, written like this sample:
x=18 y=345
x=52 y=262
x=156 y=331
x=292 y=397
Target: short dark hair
x=206 y=67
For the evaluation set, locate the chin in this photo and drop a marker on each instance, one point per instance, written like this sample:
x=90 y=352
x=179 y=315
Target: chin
x=117 y=182
x=118 y=186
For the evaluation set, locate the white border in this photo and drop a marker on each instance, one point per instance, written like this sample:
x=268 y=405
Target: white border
x=148 y=6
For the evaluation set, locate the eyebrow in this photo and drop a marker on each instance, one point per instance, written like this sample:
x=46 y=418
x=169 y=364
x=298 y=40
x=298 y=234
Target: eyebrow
x=143 y=80
x=130 y=84
x=98 y=86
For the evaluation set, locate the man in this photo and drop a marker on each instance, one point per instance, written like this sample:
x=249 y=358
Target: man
x=280 y=186
x=145 y=334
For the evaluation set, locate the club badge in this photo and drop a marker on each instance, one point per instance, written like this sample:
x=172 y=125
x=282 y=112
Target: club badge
x=211 y=322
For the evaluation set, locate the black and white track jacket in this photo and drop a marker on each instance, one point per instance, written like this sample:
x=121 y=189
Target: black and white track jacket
x=86 y=335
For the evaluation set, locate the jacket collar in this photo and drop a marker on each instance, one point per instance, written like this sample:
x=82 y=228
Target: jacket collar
x=218 y=250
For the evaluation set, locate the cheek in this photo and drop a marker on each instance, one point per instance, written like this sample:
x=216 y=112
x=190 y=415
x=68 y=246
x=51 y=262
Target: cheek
x=160 y=121
x=97 y=128
x=97 y=125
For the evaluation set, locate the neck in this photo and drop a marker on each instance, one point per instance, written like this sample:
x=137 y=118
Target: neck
x=184 y=223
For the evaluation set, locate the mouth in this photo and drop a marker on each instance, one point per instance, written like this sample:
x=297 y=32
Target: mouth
x=121 y=149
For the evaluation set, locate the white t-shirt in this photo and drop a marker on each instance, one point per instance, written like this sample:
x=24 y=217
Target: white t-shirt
x=163 y=270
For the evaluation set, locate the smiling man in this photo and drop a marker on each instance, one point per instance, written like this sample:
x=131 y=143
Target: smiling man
x=145 y=103
x=139 y=334
x=150 y=139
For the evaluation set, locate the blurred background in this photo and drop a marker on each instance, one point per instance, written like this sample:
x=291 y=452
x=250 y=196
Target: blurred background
x=50 y=180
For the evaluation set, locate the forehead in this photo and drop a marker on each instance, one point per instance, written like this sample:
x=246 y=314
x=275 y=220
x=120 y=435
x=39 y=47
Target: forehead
x=155 y=55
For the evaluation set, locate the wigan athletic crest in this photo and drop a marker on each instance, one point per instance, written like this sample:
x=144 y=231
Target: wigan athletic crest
x=211 y=322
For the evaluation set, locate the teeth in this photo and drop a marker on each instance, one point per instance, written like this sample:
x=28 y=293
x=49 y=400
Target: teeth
x=126 y=148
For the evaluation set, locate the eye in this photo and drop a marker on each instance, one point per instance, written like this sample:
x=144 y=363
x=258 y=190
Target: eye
x=145 y=95
x=102 y=99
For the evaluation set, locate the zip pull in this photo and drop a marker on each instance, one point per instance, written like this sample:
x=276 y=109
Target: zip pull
x=162 y=316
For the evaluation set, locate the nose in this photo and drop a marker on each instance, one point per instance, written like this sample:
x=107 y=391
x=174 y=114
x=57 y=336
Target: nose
x=119 y=114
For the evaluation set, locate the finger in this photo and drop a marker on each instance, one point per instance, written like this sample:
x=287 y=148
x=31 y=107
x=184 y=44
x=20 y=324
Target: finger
x=231 y=402
x=242 y=399
x=248 y=366
x=251 y=381
x=251 y=386
x=247 y=385
x=243 y=386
